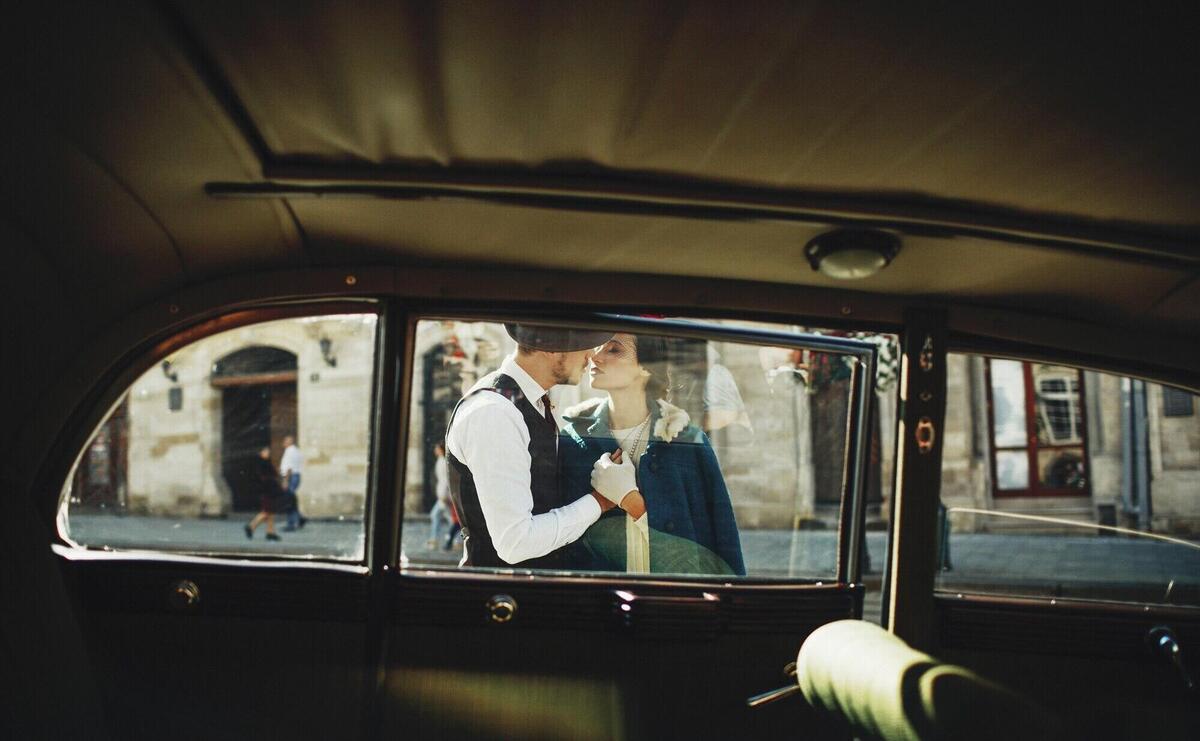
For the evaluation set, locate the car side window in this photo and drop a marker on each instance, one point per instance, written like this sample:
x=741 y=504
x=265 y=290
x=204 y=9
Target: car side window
x=253 y=440
x=1065 y=482
x=736 y=451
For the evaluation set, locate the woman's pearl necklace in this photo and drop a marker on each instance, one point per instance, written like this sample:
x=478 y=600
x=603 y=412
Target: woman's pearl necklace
x=634 y=437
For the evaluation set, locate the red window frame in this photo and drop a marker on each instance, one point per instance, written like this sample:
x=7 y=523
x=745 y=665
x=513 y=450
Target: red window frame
x=1033 y=446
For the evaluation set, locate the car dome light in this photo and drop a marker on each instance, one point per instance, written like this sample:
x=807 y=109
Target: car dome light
x=851 y=254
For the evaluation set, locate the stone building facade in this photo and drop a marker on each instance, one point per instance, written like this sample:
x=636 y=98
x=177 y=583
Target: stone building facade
x=1109 y=493
x=772 y=467
x=178 y=415
x=173 y=436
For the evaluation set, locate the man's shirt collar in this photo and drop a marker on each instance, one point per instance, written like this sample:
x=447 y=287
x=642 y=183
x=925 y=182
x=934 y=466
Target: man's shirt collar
x=532 y=390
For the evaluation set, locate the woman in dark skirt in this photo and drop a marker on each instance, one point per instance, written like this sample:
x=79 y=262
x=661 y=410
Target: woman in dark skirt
x=266 y=478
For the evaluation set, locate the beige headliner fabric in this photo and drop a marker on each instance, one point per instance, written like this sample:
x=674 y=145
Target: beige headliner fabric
x=113 y=132
x=1040 y=110
x=428 y=232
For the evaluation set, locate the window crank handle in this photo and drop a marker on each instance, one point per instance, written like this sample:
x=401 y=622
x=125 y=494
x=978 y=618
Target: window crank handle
x=767 y=698
x=1162 y=640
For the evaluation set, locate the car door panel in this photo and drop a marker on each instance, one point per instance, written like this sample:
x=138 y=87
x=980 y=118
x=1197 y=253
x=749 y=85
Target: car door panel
x=662 y=658
x=264 y=652
x=1093 y=664
x=1035 y=587
x=672 y=670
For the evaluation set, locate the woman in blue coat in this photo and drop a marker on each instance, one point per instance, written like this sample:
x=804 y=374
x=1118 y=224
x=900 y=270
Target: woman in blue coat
x=679 y=519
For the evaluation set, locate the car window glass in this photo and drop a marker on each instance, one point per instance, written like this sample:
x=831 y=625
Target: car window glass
x=253 y=440
x=740 y=453
x=1064 y=482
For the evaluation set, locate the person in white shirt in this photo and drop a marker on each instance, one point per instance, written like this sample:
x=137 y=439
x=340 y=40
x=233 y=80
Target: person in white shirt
x=291 y=465
x=440 y=514
x=502 y=449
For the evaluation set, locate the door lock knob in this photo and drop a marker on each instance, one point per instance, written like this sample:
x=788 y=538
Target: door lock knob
x=502 y=608
x=184 y=595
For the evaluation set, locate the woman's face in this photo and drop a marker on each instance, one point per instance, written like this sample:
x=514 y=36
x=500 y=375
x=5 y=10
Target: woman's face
x=614 y=365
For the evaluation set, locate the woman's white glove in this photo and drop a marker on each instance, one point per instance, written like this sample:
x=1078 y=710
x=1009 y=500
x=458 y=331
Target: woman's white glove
x=614 y=480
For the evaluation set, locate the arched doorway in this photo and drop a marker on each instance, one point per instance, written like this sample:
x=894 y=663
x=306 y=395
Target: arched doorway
x=258 y=409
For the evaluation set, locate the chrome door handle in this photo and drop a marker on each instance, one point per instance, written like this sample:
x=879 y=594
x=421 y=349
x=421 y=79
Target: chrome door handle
x=700 y=611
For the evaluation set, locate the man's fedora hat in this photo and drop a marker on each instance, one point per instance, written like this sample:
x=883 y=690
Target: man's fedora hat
x=555 y=339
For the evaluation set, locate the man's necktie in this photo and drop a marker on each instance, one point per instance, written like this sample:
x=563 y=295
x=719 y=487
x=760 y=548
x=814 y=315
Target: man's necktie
x=546 y=411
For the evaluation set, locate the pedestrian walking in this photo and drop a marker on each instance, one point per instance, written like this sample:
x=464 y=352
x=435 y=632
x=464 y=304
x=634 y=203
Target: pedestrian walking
x=266 y=479
x=291 y=464
x=440 y=516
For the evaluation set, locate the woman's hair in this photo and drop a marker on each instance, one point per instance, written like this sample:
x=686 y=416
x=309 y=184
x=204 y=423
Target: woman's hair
x=654 y=354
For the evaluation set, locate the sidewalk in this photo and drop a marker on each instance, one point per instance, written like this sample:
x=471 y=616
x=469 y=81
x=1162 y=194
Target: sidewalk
x=342 y=539
x=1045 y=563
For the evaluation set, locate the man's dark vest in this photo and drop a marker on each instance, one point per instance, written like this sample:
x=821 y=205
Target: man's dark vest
x=543 y=471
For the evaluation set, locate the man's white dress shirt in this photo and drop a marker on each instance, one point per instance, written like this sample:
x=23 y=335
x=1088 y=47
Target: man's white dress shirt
x=441 y=478
x=489 y=436
x=292 y=461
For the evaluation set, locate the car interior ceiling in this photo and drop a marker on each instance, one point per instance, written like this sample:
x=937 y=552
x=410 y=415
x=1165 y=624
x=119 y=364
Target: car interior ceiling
x=166 y=162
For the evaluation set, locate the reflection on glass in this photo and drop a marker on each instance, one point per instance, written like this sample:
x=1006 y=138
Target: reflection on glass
x=1113 y=515
x=1012 y=469
x=1042 y=556
x=1008 y=403
x=736 y=451
x=1056 y=398
x=253 y=440
x=1062 y=468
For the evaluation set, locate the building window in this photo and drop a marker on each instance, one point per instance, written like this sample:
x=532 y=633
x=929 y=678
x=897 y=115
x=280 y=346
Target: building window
x=1176 y=403
x=1037 y=429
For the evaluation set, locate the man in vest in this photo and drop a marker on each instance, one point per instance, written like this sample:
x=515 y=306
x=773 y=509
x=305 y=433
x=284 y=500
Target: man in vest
x=502 y=447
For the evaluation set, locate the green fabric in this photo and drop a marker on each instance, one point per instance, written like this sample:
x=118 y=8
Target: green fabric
x=669 y=554
x=886 y=690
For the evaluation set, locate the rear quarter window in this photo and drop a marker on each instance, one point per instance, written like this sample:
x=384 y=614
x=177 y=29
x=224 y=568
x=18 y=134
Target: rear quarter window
x=253 y=440
x=1064 y=482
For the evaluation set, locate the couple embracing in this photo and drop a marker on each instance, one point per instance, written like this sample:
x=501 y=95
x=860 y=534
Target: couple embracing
x=629 y=484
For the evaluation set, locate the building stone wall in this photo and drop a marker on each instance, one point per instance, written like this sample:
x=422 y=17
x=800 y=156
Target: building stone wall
x=767 y=487
x=1174 y=444
x=1105 y=466
x=1174 y=467
x=965 y=468
x=174 y=459
x=769 y=471
x=174 y=465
